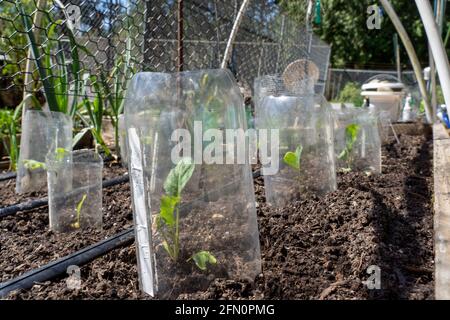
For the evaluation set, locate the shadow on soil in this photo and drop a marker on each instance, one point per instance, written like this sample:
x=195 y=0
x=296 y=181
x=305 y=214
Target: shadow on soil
x=403 y=231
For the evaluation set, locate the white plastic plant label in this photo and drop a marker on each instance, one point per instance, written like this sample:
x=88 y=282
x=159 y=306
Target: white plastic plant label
x=140 y=213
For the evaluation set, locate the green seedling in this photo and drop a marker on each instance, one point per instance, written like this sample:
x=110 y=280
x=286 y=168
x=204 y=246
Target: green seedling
x=202 y=259
x=292 y=159
x=168 y=220
x=61 y=153
x=169 y=215
x=8 y=135
x=351 y=135
x=32 y=165
x=77 y=224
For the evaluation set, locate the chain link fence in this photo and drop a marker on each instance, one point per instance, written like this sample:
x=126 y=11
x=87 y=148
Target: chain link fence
x=84 y=41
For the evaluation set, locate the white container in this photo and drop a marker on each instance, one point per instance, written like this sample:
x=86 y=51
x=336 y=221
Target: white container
x=75 y=190
x=408 y=113
x=385 y=96
x=389 y=102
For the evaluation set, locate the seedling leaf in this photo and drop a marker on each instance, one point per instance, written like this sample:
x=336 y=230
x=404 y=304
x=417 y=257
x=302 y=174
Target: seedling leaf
x=176 y=180
x=168 y=204
x=60 y=153
x=351 y=134
x=203 y=258
x=292 y=159
x=179 y=176
x=32 y=165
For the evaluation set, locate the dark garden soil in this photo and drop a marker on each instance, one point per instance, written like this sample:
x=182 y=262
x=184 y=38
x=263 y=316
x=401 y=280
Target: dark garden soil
x=26 y=241
x=315 y=248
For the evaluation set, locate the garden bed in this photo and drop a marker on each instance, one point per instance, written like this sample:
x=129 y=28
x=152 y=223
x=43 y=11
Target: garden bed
x=315 y=248
x=27 y=243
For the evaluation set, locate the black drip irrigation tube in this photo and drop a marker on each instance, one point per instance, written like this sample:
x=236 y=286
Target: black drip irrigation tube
x=7 y=176
x=34 y=204
x=12 y=175
x=59 y=267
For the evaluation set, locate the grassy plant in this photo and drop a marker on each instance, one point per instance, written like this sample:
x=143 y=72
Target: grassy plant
x=206 y=105
x=94 y=110
x=55 y=81
x=116 y=84
x=351 y=135
x=9 y=129
x=119 y=79
x=55 y=74
x=168 y=220
x=8 y=134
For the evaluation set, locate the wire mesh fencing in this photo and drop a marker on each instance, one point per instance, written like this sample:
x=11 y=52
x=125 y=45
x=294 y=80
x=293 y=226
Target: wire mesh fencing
x=87 y=48
x=320 y=54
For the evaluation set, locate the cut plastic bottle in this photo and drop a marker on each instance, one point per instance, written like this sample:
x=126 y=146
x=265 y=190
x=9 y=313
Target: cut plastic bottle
x=195 y=220
x=75 y=190
x=305 y=125
x=43 y=133
x=357 y=141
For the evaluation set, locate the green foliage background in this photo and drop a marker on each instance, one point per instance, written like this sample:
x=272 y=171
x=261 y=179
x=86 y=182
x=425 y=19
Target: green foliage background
x=351 y=93
x=353 y=44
